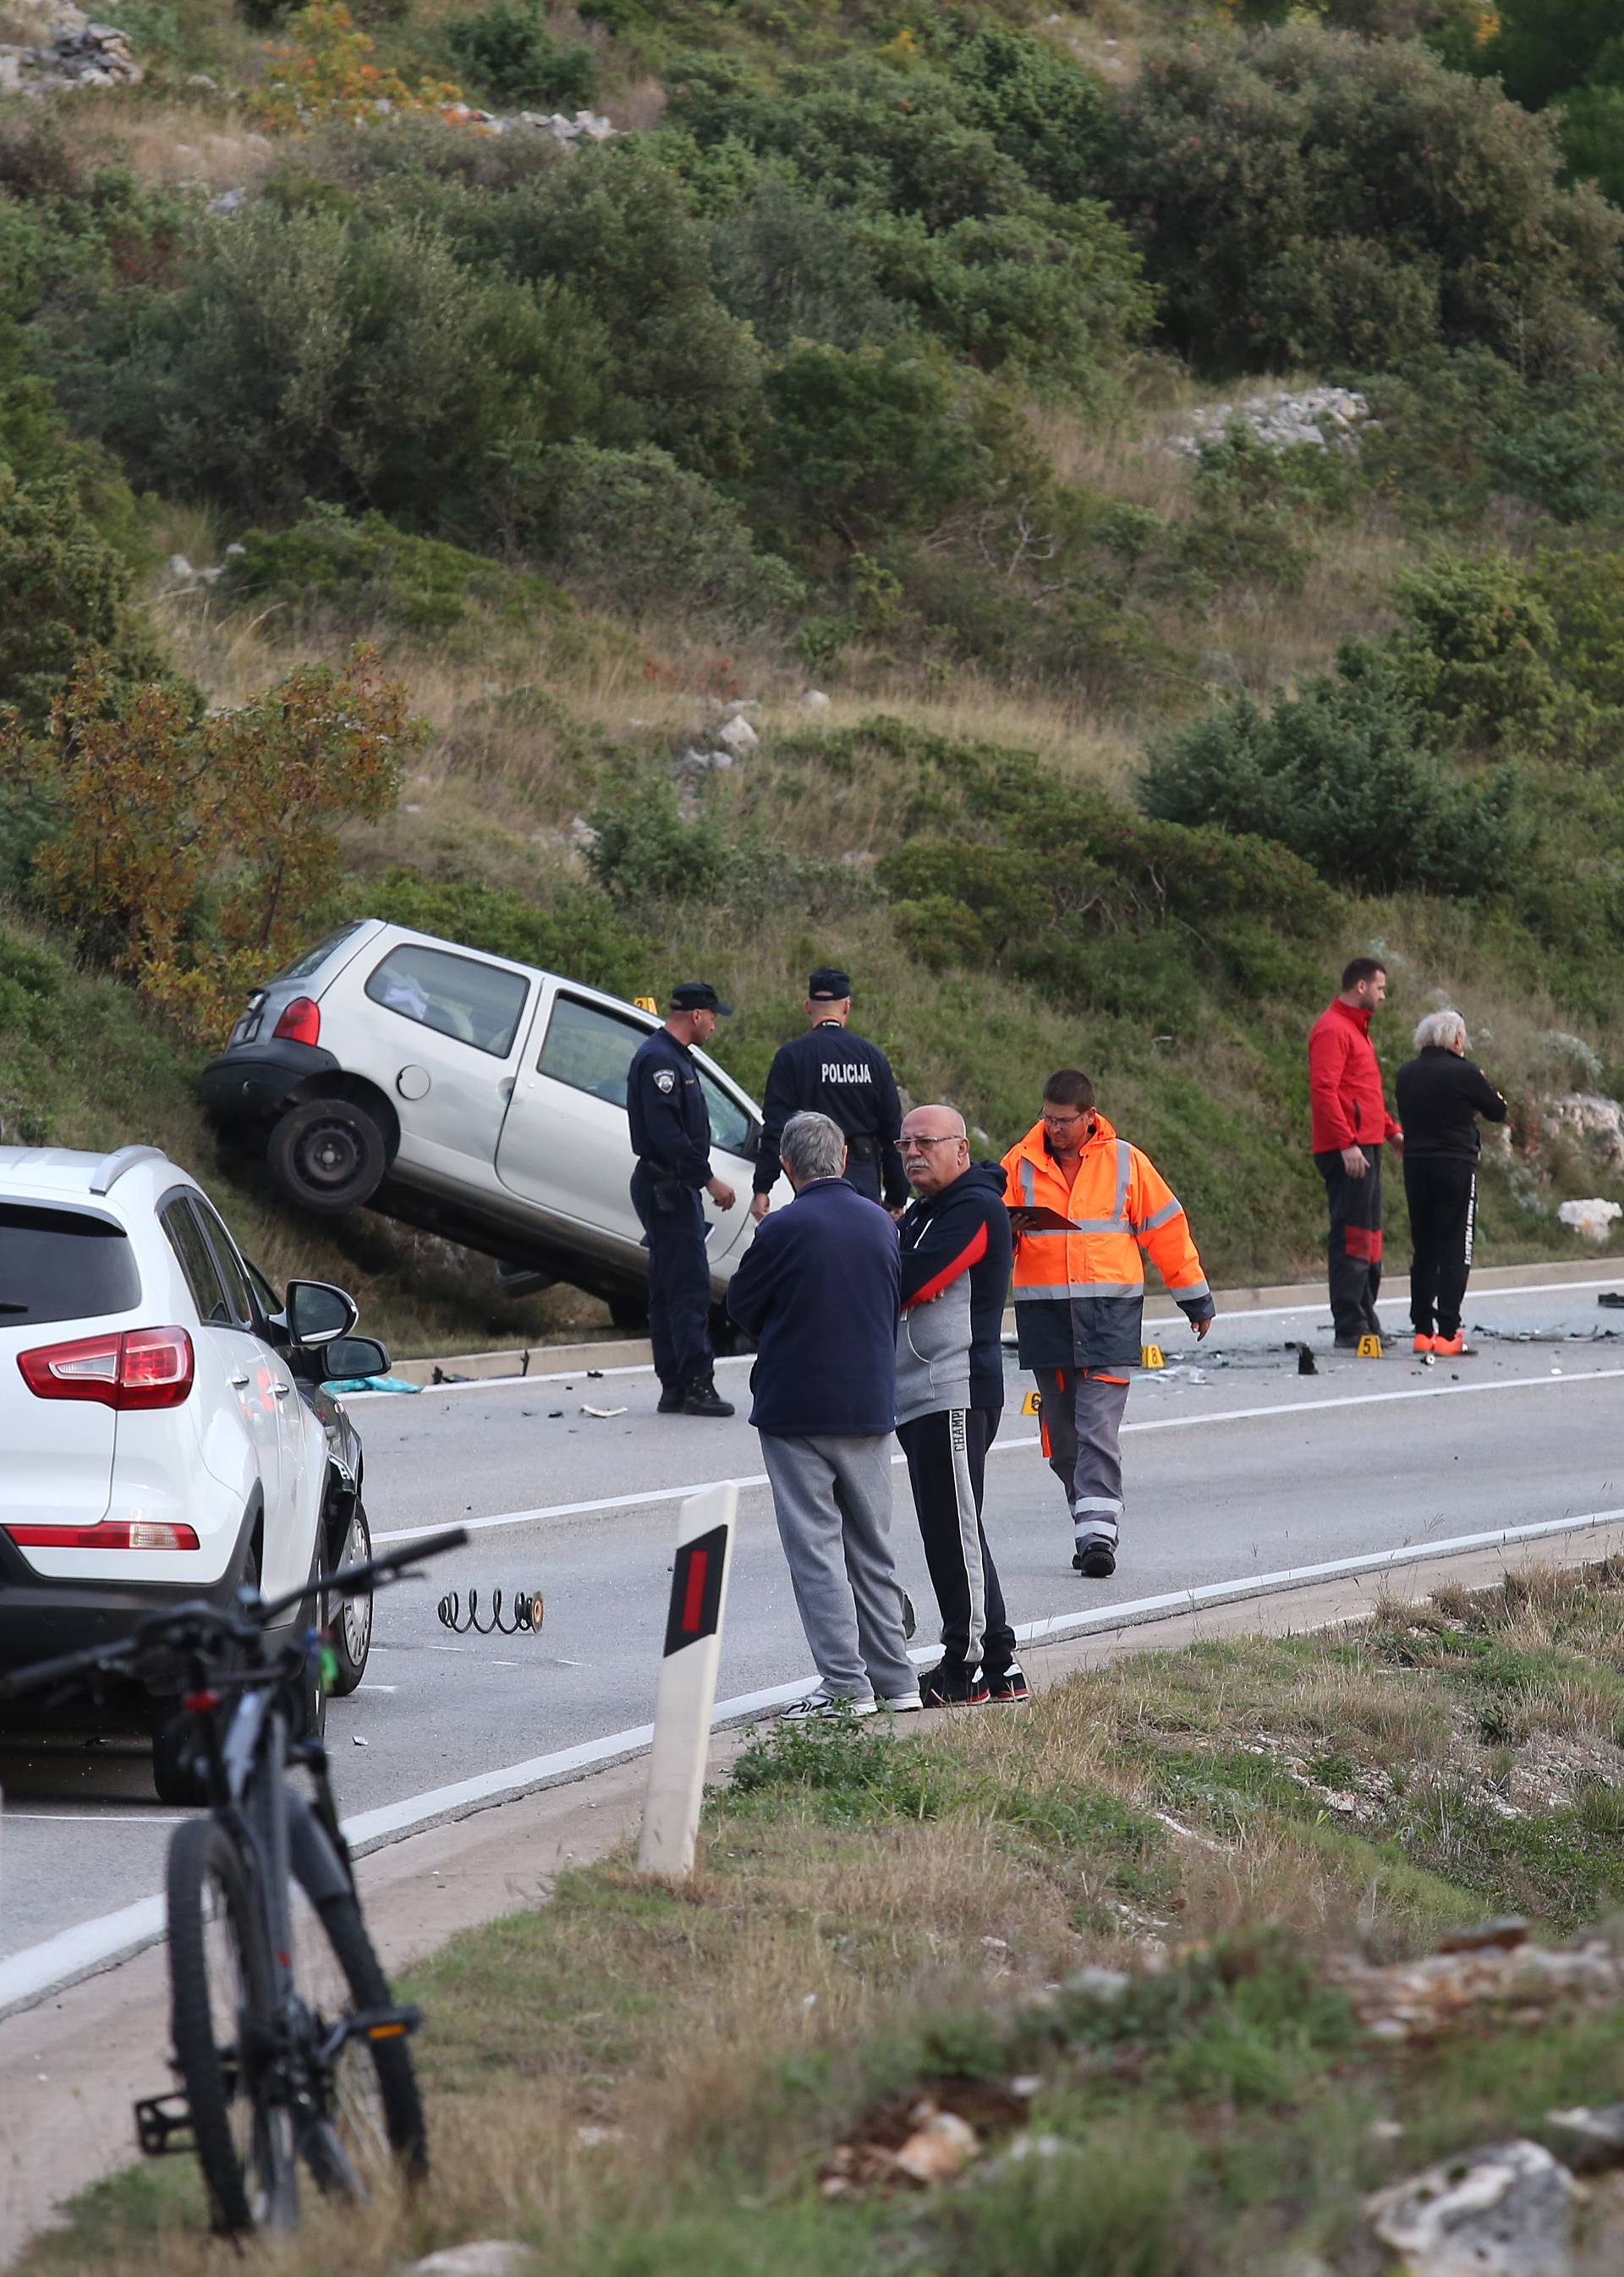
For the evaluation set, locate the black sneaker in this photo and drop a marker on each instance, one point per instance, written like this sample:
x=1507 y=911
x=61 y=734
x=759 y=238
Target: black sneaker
x=1004 y=1690
x=1096 y=1561
x=671 y=1399
x=946 y=1686
x=702 y=1398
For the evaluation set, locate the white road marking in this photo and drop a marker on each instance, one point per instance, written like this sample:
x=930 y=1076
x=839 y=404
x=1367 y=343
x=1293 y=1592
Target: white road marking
x=578 y=1375
x=652 y=1495
x=91 y=1945
x=88 y=1816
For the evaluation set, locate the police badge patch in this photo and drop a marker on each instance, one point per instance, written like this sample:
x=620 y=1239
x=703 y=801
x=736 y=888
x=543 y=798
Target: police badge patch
x=664 y=1080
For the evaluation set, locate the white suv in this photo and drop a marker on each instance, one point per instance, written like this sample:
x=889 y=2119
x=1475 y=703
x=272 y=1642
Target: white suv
x=479 y=1098
x=154 y=1445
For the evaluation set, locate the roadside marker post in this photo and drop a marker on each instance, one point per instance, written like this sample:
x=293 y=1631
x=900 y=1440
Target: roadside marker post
x=688 y=1680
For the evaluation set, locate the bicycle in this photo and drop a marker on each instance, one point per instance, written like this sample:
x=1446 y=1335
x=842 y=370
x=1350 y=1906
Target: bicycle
x=286 y=2038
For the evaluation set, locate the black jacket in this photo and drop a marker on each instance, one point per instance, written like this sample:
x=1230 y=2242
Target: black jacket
x=831 y=1071
x=965 y=1229
x=664 y=1103
x=818 y=1291
x=1439 y=1097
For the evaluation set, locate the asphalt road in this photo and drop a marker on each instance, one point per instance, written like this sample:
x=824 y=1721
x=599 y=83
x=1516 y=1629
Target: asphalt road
x=1237 y=1466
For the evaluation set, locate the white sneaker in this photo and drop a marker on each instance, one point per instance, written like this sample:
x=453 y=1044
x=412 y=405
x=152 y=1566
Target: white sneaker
x=820 y=1703
x=907 y=1703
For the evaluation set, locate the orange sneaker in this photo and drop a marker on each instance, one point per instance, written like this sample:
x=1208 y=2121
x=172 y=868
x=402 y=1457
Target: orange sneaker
x=1423 y=1343
x=1455 y=1347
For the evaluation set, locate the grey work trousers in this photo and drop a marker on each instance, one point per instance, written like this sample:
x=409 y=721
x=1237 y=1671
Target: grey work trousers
x=833 y=1501
x=1082 y=1437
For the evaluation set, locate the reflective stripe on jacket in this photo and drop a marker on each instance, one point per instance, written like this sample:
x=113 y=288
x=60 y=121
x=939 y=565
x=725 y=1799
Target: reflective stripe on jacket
x=1079 y=1290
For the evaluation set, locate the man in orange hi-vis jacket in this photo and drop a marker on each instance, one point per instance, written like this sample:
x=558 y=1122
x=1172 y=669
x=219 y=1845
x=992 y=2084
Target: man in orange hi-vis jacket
x=1083 y=1204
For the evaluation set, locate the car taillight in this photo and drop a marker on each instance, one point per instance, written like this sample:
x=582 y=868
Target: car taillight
x=116 y=1533
x=142 y=1367
x=300 y=1022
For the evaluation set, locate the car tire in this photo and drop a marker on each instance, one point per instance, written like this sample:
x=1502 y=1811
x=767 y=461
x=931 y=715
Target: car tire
x=349 y=1619
x=327 y=1156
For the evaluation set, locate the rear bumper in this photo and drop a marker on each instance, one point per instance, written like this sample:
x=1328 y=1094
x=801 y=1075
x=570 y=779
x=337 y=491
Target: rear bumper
x=41 y=1618
x=254 y=1081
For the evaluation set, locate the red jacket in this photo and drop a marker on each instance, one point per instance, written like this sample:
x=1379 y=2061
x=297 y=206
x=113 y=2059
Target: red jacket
x=1345 y=1082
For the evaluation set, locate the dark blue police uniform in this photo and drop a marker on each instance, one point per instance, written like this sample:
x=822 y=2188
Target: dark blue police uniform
x=671 y=1138
x=831 y=1071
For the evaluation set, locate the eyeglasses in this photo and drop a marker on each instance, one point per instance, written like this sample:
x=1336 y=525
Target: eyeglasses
x=945 y=1138
x=1062 y=1121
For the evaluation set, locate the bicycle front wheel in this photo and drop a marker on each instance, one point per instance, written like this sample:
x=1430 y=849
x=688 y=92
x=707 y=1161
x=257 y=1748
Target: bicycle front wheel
x=372 y=2105
x=222 y=2015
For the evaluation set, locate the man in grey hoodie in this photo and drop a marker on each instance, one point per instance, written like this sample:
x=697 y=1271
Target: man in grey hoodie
x=955 y=1244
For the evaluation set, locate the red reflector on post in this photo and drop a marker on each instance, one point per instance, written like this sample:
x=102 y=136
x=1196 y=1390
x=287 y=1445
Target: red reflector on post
x=143 y=1367
x=113 y=1534
x=300 y=1022
x=693 y=1594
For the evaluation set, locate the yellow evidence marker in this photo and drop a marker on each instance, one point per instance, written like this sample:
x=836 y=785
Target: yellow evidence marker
x=1369 y=1348
x=1033 y=1404
x=646 y=1004
x=1152 y=1356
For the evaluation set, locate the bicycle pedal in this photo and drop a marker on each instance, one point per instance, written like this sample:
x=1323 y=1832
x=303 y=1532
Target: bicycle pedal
x=382 y=2023
x=163 y=2125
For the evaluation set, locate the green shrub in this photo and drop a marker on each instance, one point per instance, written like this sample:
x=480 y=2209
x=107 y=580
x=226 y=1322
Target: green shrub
x=63 y=589
x=311 y=354
x=1340 y=775
x=1583 y=596
x=574 y=932
x=1591 y=121
x=792 y=269
x=1473 y=653
x=1306 y=197
x=508 y=53
x=864 y=440
x=633 y=530
x=362 y=572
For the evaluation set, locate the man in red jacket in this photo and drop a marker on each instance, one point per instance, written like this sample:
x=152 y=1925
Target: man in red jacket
x=1350 y=1124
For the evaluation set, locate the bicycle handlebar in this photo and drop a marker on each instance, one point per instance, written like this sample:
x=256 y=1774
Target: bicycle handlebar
x=181 y=1624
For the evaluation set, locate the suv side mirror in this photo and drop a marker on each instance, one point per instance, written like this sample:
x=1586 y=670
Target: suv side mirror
x=347 y=1358
x=317 y=1313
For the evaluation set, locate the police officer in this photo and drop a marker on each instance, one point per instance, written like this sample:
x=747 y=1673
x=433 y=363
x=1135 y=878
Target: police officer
x=671 y=1138
x=831 y=1071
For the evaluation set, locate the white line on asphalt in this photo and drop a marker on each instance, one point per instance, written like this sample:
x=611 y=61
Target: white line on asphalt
x=94 y=1944
x=655 y=1495
x=574 y=1376
x=88 y=1816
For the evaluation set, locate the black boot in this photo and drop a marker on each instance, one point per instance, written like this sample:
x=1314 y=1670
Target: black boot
x=671 y=1399
x=702 y=1398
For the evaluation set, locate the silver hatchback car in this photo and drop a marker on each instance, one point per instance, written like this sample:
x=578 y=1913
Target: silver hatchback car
x=483 y=1100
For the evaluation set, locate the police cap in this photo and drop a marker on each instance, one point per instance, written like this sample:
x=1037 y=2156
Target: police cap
x=699 y=996
x=829 y=985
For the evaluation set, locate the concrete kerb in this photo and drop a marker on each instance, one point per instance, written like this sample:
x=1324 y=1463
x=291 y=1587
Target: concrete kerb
x=549 y=1363
x=71 y=2062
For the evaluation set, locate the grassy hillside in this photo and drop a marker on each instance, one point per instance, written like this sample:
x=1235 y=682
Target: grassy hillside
x=862 y=357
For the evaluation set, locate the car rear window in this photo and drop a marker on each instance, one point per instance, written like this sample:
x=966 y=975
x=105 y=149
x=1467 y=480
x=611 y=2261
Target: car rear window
x=478 y=1004
x=57 y=1265
x=313 y=959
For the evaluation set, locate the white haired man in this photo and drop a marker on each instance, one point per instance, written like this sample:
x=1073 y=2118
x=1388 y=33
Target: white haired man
x=818 y=1289
x=1440 y=1094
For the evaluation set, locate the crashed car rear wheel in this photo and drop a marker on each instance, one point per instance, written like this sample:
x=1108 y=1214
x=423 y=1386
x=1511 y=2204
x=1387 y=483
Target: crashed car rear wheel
x=327 y=1155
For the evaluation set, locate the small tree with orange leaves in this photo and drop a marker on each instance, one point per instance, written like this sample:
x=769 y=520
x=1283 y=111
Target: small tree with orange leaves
x=191 y=855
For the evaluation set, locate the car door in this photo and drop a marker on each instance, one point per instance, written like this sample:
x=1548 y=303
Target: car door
x=440 y=1032
x=233 y=1371
x=567 y=1145
x=303 y=1442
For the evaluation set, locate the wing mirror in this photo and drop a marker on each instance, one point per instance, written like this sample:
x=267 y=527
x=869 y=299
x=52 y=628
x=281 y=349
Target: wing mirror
x=317 y=1313
x=347 y=1358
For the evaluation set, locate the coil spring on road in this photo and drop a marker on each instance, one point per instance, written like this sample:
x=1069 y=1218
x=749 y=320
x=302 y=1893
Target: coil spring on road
x=528 y=1612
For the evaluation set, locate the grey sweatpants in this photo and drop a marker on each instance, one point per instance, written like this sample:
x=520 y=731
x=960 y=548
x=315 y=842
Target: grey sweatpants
x=833 y=1501
x=1082 y=1437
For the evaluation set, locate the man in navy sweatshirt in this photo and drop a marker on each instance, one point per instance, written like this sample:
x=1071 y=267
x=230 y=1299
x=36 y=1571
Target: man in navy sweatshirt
x=956 y=1246
x=818 y=1291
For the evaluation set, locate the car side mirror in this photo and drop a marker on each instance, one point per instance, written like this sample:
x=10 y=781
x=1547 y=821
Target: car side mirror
x=317 y=1313
x=347 y=1358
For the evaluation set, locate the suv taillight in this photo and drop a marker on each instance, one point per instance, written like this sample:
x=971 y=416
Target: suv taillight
x=142 y=1367
x=112 y=1534
x=300 y=1022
